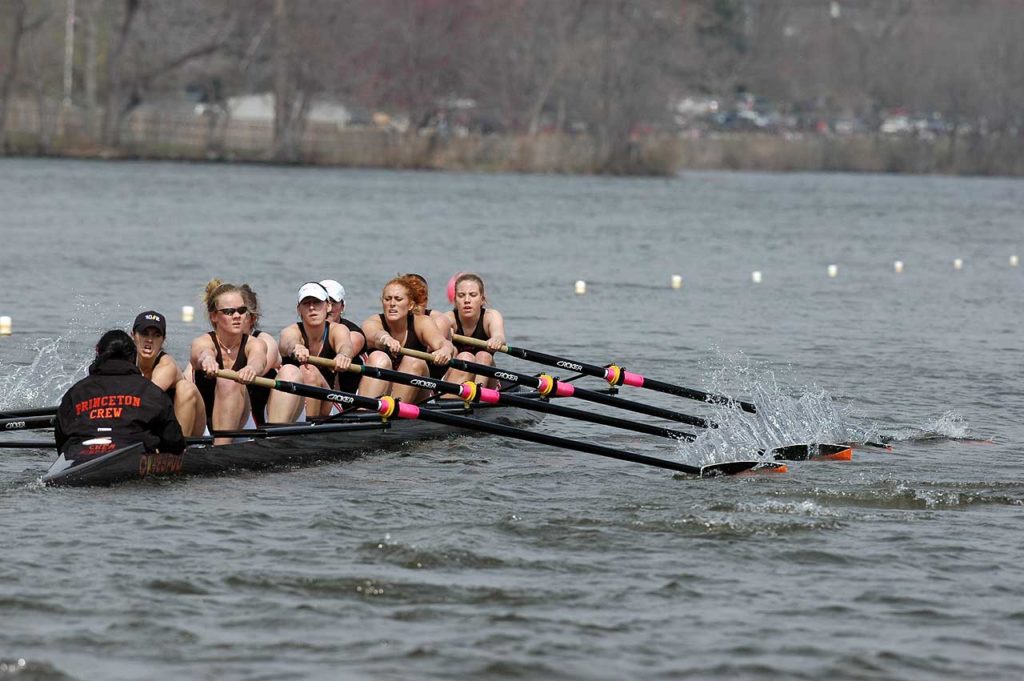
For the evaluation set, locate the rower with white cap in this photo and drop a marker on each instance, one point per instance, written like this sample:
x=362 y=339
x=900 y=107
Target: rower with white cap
x=315 y=335
x=349 y=382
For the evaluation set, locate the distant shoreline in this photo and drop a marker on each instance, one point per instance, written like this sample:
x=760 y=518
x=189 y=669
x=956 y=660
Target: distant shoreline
x=154 y=136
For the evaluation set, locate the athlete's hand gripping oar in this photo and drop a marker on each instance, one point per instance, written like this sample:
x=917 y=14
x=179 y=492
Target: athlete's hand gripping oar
x=548 y=385
x=26 y=423
x=471 y=392
x=613 y=374
x=387 y=407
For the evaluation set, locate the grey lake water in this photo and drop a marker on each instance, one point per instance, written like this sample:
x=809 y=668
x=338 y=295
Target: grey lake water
x=484 y=558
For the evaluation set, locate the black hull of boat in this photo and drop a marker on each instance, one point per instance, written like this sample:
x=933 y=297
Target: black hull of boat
x=336 y=441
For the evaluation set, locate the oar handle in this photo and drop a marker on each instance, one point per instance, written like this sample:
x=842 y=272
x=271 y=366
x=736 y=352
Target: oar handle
x=329 y=364
x=418 y=354
x=259 y=380
x=476 y=342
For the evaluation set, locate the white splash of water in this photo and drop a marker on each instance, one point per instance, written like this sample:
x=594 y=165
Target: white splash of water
x=785 y=416
x=56 y=363
x=949 y=426
x=42 y=382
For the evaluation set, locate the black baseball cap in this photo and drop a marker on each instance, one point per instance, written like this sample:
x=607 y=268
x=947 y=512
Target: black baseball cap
x=150 y=319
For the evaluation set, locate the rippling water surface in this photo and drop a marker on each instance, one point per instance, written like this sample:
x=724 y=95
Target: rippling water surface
x=492 y=559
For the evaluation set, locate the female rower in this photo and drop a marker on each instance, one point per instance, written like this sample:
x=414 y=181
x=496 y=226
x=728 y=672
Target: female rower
x=269 y=406
x=348 y=381
x=149 y=332
x=420 y=302
x=228 y=347
x=421 y=306
x=314 y=335
x=471 y=318
x=398 y=327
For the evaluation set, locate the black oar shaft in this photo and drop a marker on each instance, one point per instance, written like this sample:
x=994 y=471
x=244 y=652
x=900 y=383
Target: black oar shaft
x=541 y=438
x=26 y=423
x=450 y=388
x=581 y=393
x=601 y=419
x=31 y=411
x=603 y=372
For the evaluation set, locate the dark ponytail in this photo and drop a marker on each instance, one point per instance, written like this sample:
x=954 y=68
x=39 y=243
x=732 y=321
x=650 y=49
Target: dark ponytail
x=114 y=344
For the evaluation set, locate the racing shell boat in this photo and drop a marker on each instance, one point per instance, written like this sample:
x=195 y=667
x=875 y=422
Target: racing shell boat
x=342 y=439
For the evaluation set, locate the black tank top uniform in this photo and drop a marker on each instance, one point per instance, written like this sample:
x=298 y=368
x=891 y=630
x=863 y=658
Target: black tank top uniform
x=348 y=381
x=258 y=395
x=169 y=391
x=326 y=351
x=478 y=333
x=413 y=342
x=208 y=386
x=352 y=326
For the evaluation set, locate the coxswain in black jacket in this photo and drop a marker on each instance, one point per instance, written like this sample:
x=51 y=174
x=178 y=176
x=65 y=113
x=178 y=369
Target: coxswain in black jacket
x=116 y=406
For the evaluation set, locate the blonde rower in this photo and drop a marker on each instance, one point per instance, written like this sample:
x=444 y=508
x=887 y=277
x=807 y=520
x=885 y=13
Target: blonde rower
x=149 y=332
x=229 y=347
x=471 y=318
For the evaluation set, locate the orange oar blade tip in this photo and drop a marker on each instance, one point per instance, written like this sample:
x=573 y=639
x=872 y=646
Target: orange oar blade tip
x=833 y=453
x=842 y=455
x=767 y=468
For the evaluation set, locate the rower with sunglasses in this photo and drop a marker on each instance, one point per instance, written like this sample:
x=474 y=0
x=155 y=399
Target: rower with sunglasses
x=229 y=347
x=314 y=335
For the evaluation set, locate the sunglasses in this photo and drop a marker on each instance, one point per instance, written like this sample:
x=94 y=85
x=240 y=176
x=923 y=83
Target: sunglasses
x=230 y=311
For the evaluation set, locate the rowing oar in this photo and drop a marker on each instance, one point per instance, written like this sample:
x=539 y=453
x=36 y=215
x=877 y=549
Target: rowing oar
x=387 y=407
x=613 y=374
x=472 y=392
x=32 y=411
x=550 y=386
x=26 y=422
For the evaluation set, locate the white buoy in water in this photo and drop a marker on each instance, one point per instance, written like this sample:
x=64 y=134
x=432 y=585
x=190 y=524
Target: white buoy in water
x=898 y=267
x=5 y=326
x=188 y=313
x=677 y=281
x=755 y=276
x=833 y=271
x=958 y=264
x=1014 y=261
x=581 y=287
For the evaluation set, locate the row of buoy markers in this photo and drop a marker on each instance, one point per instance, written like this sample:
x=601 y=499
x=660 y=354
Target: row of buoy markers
x=188 y=313
x=676 y=281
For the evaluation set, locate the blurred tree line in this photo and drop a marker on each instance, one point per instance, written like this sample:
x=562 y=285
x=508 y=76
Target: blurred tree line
x=611 y=69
